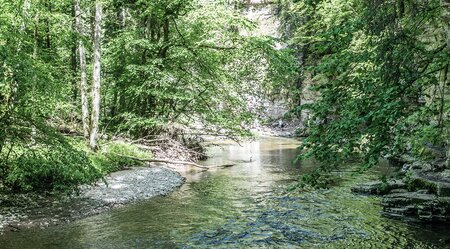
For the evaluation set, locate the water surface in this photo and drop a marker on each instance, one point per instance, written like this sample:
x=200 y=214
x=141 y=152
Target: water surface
x=244 y=206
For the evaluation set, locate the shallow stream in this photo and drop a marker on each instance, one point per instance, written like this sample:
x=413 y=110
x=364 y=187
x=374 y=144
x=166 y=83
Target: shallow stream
x=244 y=206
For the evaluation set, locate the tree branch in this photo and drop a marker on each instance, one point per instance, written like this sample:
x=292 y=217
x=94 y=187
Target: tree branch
x=178 y=162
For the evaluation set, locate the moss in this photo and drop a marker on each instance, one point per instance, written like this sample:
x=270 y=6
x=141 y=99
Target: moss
x=418 y=184
x=384 y=188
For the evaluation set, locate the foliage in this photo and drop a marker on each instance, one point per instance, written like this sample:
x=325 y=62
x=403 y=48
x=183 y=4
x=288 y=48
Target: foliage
x=164 y=63
x=64 y=164
x=54 y=165
x=378 y=69
x=184 y=62
x=117 y=156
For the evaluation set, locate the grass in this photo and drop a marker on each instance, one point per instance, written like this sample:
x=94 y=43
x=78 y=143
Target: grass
x=64 y=165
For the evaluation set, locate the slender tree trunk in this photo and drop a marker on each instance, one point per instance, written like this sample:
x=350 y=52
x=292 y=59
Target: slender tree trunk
x=47 y=22
x=5 y=118
x=83 y=81
x=96 y=86
x=116 y=90
x=33 y=89
x=445 y=4
x=73 y=55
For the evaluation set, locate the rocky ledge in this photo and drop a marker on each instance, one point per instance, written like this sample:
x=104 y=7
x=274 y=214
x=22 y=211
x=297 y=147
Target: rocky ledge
x=422 y=194
x=134 y=184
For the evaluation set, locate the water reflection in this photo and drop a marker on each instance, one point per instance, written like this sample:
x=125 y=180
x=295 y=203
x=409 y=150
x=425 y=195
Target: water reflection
x=244 y=206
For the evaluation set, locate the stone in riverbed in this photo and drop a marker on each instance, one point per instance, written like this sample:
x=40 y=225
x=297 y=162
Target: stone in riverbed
x=443 y=189
x=434 y=181
x=392 y=202
x=398 y=191
x=446 y=174
x=416 y=205
x=378 y=187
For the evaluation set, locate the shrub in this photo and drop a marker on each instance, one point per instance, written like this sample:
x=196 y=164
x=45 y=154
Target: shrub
x=117 y=156
x=50 y=168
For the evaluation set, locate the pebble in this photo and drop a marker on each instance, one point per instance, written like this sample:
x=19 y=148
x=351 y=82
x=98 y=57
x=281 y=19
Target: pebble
x=136 y=184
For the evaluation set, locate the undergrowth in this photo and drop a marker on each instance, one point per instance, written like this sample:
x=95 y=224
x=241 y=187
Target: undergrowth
x=63 y=165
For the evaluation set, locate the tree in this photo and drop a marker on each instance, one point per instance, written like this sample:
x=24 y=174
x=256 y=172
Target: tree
x=96 y=76
x=83 y=81
x=158 y=64
x=375 y=66
x=445 y=5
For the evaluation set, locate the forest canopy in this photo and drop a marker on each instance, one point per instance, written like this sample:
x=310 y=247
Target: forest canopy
x=127 y=68
x=377 y=71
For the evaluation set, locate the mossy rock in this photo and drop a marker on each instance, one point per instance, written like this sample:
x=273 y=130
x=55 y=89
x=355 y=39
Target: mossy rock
x=419 y=184
x=378 y=187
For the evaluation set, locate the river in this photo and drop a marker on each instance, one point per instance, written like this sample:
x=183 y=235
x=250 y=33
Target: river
x=244 y=206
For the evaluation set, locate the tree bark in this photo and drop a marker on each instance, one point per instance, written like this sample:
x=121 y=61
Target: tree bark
x=445 y=5
x=48 y=24
x=83 y=81
x=96 y=76
x=74 y=56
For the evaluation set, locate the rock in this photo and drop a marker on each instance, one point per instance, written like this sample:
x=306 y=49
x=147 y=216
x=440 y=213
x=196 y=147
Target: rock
x=443 y=189
x=435 y=182
x=423 y=191
x=439 y=165
x=406 y=168
x=417 y=205
x=399 y=190
x=407 y=158
x=446 y=174
x=426 y=167
x=416 y=165
x=378 y=187
x=401 y=160
x=403 y=199
x=368 y=188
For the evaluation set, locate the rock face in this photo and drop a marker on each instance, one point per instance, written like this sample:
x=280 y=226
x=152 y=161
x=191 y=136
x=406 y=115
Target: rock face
x=423 y=194
x=270 y=113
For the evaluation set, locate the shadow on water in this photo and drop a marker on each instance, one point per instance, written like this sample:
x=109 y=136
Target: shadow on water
x=245 y=206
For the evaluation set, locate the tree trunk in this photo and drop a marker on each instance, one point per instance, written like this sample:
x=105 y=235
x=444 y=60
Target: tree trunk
x=47 y=22
x=96 y=86
x=83 y=82
x=116 y=89
x=73 y=55
x=445 y=4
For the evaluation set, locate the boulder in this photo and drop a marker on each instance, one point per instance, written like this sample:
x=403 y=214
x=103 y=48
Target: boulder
x=378 y=187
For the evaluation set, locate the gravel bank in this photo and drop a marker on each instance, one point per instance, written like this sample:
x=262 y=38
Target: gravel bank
x=119 y=188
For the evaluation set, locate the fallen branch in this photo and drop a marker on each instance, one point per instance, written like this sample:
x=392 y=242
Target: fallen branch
x=150 y=141
x=177 y=162
x=145 y=147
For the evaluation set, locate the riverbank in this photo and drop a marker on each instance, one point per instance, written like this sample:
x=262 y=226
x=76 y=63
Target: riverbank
x=119 y=188
x=244 y=206
x=131 y=183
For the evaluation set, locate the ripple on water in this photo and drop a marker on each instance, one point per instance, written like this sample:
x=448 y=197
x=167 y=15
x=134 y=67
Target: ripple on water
x=244 y=206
